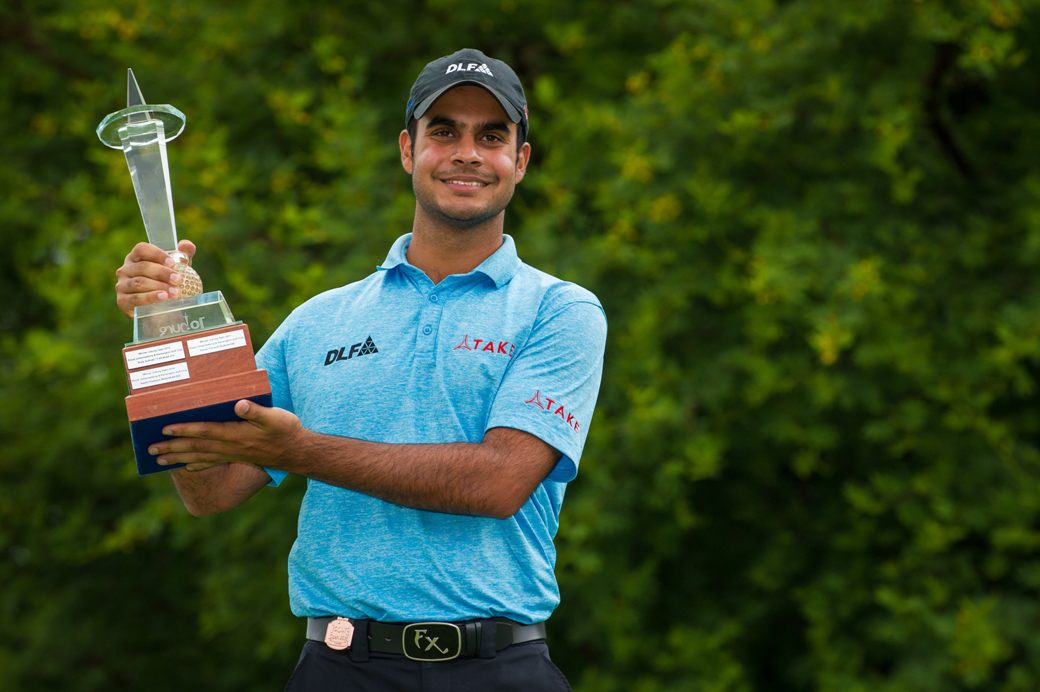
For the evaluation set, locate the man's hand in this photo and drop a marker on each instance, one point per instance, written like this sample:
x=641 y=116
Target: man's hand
x=264 y=437
x=147 y=276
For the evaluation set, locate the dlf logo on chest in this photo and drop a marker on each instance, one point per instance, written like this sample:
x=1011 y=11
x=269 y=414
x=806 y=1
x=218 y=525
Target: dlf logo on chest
x=359 y=349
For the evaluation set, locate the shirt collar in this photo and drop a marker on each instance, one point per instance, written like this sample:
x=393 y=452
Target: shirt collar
x=500 y=267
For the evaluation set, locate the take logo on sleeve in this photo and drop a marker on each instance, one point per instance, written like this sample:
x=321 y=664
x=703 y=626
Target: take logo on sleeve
x=501 y=348
x=362 y=348
x=555 y=408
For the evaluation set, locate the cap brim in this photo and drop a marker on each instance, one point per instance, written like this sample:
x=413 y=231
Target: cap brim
x=420 y=109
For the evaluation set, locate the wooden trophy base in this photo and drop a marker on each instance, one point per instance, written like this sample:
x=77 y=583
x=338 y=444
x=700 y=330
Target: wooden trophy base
x=194 y=377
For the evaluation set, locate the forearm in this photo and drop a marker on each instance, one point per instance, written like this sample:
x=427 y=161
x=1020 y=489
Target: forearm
x=483 y=478
x=219 y=488
x=491 y=478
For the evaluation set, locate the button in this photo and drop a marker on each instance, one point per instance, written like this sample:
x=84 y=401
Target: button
x=427 y=330
x=434 y=298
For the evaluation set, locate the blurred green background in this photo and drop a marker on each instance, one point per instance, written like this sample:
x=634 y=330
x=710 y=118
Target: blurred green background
x=814 y=226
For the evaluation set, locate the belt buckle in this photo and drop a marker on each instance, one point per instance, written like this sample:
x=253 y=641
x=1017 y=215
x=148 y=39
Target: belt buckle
x=339 y=634
x=431 y=641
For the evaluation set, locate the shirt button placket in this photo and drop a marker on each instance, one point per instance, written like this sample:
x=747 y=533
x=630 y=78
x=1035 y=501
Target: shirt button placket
x=429 y=323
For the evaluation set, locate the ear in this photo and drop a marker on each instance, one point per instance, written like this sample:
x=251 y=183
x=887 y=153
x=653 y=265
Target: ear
x=405 y=142
x=522 y=157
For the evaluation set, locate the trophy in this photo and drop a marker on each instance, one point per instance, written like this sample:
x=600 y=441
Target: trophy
x=189 y=360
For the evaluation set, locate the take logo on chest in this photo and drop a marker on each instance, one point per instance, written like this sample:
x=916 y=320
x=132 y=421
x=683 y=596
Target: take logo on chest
x=499 y=348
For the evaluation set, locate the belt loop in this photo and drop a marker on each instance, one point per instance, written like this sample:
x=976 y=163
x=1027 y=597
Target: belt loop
x=359 y=645
x=471 y=638
x=488 y=630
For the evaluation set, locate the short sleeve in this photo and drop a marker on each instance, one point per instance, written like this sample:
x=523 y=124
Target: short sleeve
x=551 y=385
x=271 y=357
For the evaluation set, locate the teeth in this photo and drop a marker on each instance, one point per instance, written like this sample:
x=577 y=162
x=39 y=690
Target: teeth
x=467 y=183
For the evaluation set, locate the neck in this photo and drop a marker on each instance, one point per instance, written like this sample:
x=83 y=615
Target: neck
x=440 y=250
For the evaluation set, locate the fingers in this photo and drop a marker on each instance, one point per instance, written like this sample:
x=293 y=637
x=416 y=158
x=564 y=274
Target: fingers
x=147 y=276
x=134 y=291
x=198 y=454
x=202 y=431
x=201 y=443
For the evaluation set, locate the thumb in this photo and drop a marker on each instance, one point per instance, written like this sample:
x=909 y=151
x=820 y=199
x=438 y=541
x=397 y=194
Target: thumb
x=249 y=411
x=187 y=247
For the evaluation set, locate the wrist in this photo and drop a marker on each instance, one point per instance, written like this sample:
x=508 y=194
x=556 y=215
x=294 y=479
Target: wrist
x=295 y=450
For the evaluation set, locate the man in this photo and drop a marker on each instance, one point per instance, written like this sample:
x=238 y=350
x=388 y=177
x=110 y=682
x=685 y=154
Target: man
x=437 y=409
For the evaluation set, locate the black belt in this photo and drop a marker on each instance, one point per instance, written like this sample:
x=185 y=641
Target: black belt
x=425 y=641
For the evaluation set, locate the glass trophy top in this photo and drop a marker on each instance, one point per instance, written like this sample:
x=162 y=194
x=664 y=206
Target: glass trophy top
x=172 y=120
x=181 y=316
x=141 y=130
x=138 y=112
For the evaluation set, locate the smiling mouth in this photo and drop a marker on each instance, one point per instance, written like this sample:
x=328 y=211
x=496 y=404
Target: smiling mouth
x=464 y=183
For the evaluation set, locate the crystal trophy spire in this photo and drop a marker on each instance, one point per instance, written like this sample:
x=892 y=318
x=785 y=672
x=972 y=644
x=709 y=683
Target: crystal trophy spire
x=141 y=131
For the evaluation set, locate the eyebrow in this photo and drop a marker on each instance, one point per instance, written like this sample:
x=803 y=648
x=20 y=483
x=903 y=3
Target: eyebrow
x=492 y=125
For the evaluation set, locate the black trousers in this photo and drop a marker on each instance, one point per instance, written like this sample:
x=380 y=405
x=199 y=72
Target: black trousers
x=520 y=668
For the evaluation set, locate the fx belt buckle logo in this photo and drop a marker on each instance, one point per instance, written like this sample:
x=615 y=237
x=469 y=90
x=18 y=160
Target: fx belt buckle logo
x=431 y=641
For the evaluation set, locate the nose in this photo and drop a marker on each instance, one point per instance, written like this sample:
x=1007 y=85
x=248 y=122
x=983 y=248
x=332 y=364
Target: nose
x=466 y=151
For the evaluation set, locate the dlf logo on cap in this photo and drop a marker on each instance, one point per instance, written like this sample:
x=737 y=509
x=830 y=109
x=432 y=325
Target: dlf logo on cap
x=468 y=66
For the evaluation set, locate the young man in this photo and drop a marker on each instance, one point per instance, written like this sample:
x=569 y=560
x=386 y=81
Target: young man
x=437 y=453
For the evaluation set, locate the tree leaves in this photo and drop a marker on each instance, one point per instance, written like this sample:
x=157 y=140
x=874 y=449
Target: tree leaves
x=813 y=226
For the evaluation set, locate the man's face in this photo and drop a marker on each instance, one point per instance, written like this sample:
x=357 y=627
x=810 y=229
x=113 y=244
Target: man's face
x=464 y=164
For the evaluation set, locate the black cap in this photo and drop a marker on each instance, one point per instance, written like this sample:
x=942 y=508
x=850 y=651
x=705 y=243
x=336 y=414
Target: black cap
x=468 y=66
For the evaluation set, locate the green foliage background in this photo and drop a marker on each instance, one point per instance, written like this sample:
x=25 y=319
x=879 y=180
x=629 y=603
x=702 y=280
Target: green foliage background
x=815 y=226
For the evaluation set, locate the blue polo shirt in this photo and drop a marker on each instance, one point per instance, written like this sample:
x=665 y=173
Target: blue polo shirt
x=395 y=358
